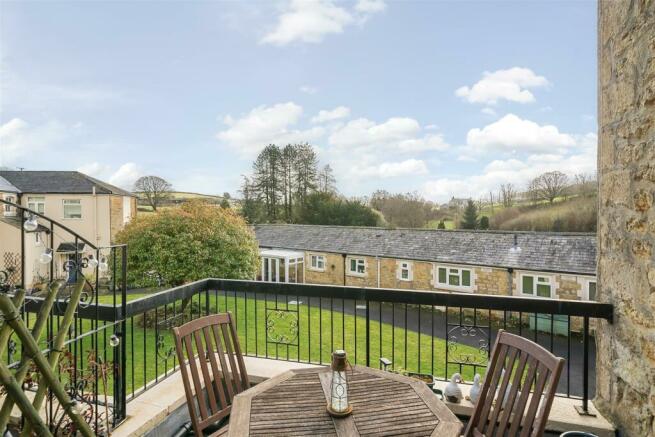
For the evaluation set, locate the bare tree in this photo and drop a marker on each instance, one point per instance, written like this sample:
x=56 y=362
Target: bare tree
x=507 y=194
x=327 y=183
x=585 y=184
x=154 y=189
x=550 y=185
x=491 y=201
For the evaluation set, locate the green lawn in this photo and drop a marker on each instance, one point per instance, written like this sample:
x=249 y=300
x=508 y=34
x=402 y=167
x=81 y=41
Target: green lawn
x=320 y=332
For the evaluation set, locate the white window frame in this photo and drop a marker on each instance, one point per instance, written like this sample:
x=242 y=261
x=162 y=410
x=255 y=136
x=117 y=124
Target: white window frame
x=33 y=203
x=78 y=202
x=587 y=283
x=405 y=265
x=8 y=210
x=359 y=262
x=535 y=282
x=319 y=259
x=449 y=271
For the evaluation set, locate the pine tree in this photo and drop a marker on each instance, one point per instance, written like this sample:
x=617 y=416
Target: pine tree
x=484 y=222
x=267 y=178
x=441 y=225
x=306 y=171
x=470 y=217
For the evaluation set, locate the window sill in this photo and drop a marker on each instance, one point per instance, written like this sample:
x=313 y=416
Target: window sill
x=454 y=288
x=356 y=275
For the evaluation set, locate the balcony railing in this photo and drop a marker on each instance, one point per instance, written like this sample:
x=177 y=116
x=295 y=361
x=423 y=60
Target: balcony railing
x=424 y=332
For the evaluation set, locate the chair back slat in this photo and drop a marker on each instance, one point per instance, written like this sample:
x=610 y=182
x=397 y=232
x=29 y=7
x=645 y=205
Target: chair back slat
x=498 y=355
x=228 y=387
x=534 y=403
x=528 y=381
x=506 y=373
x=513 y=391
x=208 y=351
x=218 y=384
x=208 y=380
x=501 y=407
x=234 y=372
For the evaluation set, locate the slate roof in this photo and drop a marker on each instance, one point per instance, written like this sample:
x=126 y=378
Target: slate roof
x=61 y=182
x=7 y=187
x=540 y=251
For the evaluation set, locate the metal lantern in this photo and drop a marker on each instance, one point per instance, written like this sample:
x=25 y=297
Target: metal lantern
x=338 y=405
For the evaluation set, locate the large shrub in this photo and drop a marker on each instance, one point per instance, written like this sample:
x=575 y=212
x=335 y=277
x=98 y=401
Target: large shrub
x=188 y=243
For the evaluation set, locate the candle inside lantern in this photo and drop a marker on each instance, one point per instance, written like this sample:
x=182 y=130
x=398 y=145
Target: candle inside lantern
x=339 y=405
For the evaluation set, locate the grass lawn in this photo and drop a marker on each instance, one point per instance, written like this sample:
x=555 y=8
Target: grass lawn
x=320 y=332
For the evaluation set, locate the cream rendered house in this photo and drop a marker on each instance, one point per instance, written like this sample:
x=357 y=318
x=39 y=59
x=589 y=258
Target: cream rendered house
x=94 y=209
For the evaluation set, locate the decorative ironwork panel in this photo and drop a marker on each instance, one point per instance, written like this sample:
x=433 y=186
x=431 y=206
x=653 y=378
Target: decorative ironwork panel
x=282 y=326
x=468 y=340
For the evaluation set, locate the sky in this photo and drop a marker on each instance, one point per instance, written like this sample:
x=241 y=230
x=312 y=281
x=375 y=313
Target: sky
x=440 y=98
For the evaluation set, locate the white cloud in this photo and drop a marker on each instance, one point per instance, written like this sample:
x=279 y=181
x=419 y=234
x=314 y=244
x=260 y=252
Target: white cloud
x=335 y=114
x=20 y=139
x=307 y=89
x=95 y=169
x=516 y=171
x=123 y=177
x=397 y=133
x=511 y=84
x=310 y=21
x=489 y=111
x=264 y=125
x=514 y=134
x=370 y=6
x=394 y=169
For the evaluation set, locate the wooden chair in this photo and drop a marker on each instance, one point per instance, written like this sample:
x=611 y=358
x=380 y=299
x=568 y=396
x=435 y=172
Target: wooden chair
x=528 y=365
x=210 y=358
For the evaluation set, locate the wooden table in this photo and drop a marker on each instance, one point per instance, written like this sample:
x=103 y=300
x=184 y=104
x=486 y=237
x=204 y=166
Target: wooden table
x=384 y=404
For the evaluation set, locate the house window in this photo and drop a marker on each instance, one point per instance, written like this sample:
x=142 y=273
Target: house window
x=357 y=266
x=36 y=204
x=534 y=285
x=72 y=209
x=317 y=262
x=591 y=290
x=404 y=272
x=454 y=277
x=8 y=209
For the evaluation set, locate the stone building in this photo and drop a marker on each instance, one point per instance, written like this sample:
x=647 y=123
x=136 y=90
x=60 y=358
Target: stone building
x=625 y=363
x=548 y=265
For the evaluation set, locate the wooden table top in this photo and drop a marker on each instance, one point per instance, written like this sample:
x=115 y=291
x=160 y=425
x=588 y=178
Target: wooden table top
x=384 y=404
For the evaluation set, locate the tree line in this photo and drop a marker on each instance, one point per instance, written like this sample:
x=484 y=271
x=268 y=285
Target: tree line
x=287 y=186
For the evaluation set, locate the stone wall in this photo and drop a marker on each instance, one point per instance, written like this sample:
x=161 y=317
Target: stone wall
x=625 y=367
x=491 y=281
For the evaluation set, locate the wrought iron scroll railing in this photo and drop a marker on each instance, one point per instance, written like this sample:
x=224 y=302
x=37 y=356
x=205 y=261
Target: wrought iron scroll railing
x=59 y=282
x=426 y=332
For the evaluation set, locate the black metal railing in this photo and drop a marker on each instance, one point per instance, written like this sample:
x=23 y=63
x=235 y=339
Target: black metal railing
x=36 y=253
x=423 y=332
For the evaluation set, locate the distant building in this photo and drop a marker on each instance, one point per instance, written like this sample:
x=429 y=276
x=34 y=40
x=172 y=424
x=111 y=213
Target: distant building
x=92 y=208
x=533 y=264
